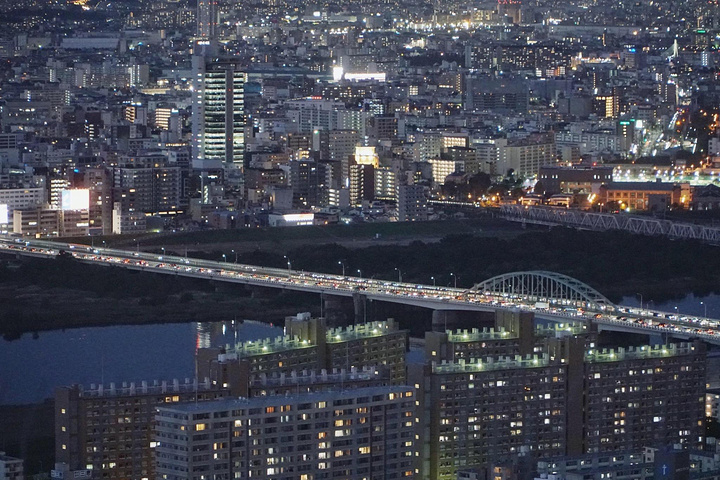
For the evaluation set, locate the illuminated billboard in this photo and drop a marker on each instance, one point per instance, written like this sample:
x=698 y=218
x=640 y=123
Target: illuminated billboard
x=75 y=199
x=3 y=214
x=380 y=77
x=291 y=219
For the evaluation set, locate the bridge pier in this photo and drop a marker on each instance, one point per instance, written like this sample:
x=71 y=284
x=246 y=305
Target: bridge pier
x=657 y=339
x=360 y=307
x=333 y=309
x=260 y=292
x=443 y=320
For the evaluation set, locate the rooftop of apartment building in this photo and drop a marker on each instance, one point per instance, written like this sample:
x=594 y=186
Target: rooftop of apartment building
x=491 y=364
x=363 y=330
x=143 y=388
x=388 y=393
x=641 y=352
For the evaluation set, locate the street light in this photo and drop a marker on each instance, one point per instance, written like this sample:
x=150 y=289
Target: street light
x=340 y=262
x=641 y=300
x=359 y=273
x=399 y=274
x=433 y=279
x=454 y=279
x=163 y=250
x=289 y=264
x=224 y=258
x=236 y=253
x=704 y=305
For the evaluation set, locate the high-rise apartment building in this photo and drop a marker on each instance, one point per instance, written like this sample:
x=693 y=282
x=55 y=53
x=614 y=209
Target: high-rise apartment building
x=411 y=203
x=355 y=434
x=481 y=402
x=362 y=184
x=218 y=116
x=109 y=430
x=525 y=156
x=309 y=345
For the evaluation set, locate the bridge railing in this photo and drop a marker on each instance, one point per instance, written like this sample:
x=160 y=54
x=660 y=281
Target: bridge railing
x=610 y=221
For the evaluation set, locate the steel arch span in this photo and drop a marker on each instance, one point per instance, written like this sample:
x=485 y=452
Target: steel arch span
x=543 y=286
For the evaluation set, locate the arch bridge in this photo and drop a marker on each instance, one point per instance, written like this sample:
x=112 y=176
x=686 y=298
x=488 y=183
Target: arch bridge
x=544 y=286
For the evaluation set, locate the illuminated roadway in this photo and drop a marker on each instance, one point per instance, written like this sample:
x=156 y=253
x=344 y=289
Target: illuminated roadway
x=629 y=319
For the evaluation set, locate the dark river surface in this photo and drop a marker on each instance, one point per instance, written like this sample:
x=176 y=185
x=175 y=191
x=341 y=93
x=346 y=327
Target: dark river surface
x=31 y=368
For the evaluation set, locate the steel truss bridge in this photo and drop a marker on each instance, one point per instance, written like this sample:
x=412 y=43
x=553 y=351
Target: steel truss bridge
x=548 y=287
x=610 y=221
x=547 y=294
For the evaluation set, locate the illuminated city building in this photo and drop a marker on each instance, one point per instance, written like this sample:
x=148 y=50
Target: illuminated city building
x=107 y=430
x=336 y=434
x=218 y=112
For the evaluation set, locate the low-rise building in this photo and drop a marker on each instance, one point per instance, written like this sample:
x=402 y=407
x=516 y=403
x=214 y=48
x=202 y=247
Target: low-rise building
x=654 y=196
x=11 y=468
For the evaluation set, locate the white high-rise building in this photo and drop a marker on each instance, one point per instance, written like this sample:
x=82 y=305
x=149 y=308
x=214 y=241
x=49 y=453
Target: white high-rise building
x=218 y=112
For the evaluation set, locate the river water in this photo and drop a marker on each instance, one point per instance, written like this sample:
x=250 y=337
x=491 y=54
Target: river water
x=31 y=368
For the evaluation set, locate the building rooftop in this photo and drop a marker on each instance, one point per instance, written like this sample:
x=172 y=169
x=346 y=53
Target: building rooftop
x=158 y=387
x=643 y=352
x=491 y=364
x=264 y=346
x=363 y=330
x=232 y=403
x=475 y=334
x=311 y=377
x=657 y=186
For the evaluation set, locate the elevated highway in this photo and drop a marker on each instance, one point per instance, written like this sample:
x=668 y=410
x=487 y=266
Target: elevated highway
x=548 y=295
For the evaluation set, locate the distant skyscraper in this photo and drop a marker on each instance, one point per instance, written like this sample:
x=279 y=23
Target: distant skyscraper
x=207 y=19
x=218 y=111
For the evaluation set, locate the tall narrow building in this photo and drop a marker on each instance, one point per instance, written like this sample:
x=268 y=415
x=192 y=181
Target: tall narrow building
x=218 y=111
x=207 y=19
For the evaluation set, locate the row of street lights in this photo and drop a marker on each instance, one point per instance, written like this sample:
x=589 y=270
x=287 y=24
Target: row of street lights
x=359 y=271
x=397 y=269
x=643 y=305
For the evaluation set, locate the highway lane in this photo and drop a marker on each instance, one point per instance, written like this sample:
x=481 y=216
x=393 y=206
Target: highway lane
x=434 y=297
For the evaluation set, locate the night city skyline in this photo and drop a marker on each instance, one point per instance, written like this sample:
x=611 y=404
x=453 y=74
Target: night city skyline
x=378 y=239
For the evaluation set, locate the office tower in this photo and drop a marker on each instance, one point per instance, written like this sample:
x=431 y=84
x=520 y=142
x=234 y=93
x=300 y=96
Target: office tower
x=218 y=116
x=355 y=434
x=207 y=19
x=109 y=430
